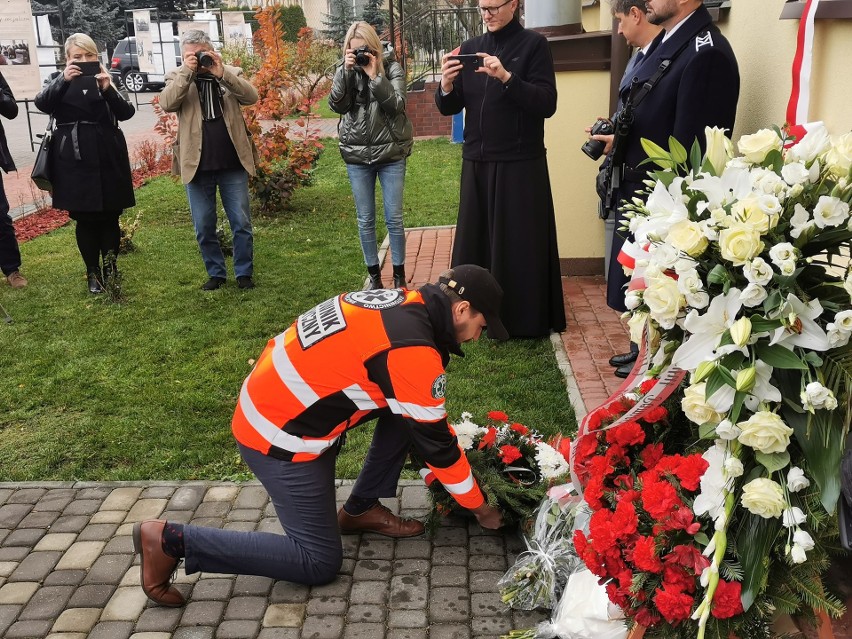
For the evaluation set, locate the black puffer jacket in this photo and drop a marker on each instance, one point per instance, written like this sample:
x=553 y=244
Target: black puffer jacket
x=373 y=127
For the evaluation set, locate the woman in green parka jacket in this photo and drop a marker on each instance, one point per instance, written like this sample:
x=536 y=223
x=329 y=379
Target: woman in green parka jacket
x=368 y=91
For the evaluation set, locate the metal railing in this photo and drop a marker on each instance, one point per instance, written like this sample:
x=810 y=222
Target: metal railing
x=421 y=39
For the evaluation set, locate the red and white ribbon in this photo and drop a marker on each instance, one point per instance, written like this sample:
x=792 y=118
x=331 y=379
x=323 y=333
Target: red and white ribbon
x=800 y=94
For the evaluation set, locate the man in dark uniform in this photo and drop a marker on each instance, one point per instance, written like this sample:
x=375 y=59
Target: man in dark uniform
x=700 y=88
x=506 y=219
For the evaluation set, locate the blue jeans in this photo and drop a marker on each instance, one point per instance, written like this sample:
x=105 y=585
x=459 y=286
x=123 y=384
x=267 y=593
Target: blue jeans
x=362 y=177
x=233 y=189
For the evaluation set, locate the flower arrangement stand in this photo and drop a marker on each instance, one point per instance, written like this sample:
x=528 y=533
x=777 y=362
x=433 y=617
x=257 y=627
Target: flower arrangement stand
x=636 y=632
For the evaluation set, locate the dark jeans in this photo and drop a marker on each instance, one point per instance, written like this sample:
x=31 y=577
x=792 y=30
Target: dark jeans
x=303 y=496
x=10 y=255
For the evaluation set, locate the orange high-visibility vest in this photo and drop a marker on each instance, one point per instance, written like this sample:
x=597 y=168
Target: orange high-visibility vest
x=349 y=360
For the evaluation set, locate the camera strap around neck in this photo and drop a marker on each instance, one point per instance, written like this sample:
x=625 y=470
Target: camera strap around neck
x=638 y=92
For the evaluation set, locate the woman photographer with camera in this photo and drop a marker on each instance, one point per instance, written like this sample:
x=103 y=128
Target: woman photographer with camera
x=89 y=163
x=368 y=91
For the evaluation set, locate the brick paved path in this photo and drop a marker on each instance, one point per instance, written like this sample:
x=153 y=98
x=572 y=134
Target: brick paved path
x=68 y=571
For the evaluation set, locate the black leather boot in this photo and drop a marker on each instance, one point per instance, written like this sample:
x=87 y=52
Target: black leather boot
x=375 y=278
x=399 y=276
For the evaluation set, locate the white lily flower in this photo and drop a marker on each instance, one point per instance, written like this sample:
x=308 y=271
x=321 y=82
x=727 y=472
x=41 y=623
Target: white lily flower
x=805 y=333
x=734 y=184
x=813 y=144
x=763 y=391
x=706 y=331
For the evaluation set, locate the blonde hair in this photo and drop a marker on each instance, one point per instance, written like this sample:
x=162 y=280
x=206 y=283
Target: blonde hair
x=365 y=31
x=80 y=40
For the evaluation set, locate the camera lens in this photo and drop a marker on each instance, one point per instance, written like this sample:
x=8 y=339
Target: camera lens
x=205 y=60
x=593 y=148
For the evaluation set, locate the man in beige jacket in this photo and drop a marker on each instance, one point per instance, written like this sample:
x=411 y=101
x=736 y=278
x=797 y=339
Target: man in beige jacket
x=214 y=149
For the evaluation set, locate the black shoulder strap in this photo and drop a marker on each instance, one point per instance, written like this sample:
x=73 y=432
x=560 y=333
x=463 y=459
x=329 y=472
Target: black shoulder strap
x=638 y=92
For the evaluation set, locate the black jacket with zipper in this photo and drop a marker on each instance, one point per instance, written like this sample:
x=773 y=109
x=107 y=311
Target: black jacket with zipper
x=505 y=122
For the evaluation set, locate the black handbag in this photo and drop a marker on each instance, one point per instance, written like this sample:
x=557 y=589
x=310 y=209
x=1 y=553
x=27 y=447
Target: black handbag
x=41 y=167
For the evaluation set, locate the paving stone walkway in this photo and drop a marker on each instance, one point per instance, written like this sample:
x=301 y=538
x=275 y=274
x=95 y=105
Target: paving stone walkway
x=68 y=571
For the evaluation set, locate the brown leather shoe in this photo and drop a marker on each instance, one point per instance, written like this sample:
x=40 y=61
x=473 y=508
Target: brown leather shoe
x=157 y=567
x=379 y=520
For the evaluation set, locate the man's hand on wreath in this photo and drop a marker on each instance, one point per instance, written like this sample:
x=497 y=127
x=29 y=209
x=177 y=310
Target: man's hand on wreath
x=488 y=516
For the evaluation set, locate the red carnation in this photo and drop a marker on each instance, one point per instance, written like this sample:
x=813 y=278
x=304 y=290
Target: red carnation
x=645 y=555
x=624 y=519
x=660 y=498
x=593 y=420
x=651 y=454
x=617 y=595
x=627 y=434
x=601 y=530
x=488 y=439
x=689 y=471
x=647 y=385
x=509 y=454
x=646 y=617
x=519 y=428
x=498 y=416
x=654 y=415
x=562 y=445
x=675 y=577
x=674 y=605
x=726 y=599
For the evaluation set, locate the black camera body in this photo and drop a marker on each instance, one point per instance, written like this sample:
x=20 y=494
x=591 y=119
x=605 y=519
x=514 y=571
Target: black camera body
x=361 y=57
x=594 y=148
x=205 y=59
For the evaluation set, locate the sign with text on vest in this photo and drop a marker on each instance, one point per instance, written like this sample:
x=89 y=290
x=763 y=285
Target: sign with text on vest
x=18 y=55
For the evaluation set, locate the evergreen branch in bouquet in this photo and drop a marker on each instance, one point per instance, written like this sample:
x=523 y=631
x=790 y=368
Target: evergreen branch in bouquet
x=810 y=589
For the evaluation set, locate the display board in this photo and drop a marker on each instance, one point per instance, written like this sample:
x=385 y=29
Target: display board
x=18 y=56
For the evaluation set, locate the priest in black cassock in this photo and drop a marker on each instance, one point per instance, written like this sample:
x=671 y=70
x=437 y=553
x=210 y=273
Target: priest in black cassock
x=506 y=220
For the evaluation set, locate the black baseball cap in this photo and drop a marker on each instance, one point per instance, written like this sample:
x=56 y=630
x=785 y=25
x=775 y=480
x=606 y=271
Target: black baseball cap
x=476 y=285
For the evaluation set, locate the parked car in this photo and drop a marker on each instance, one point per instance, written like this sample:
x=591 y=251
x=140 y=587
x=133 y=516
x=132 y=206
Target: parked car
x=124 y=66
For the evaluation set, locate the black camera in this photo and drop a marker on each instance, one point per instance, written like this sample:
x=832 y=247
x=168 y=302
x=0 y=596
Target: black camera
x=206 y=59
x=594 y=148
x=361 y=57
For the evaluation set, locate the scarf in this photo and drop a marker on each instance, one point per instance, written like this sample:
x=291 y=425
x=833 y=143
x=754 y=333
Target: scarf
x=210 y=94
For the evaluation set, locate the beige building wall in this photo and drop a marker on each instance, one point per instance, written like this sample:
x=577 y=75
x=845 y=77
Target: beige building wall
x=764 y=46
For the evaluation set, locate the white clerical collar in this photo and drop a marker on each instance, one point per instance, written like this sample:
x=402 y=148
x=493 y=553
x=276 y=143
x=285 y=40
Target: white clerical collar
x=670 y=32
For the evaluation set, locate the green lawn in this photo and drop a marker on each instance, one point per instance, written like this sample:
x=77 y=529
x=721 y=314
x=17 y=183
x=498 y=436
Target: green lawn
x=145 y=389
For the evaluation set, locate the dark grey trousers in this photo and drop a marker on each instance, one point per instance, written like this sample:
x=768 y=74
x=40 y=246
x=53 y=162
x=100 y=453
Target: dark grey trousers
x=303 y=496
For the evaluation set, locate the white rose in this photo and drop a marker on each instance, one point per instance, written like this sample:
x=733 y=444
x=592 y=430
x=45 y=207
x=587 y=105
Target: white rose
x=830 y=211
x=803 y=539
x=740 y=243
x=764 y=498
x=753 y=295
x=663 y=300
x=689 y=282
x=787 y=267
x=781 y=252
x=757 y=146
x=795 y=173
x=816 y=397
x=749 y=211
x=695 y=405
x=758 y=271
x=792 y=517
x=843 y=320
x=733 y=467
x=796 y=479
x=839 y=156
x=814 y=143
x=688 y=237
x=720 y=149
x=836 y=336
x=766 y=432
x=727 y=430
x=633 y=299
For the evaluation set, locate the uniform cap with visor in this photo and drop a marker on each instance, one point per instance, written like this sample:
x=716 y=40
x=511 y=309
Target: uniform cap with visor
x=476 y=285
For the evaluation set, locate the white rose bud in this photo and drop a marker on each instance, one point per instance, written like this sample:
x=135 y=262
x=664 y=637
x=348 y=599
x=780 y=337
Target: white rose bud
x=787 y=267
x=697 y=300
x=797 y=554
x=633 y=299
x=758 y=271
x=803 y=539
x=793 y=517
x=796 y=480
x=727 y=430
x=782 y=252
